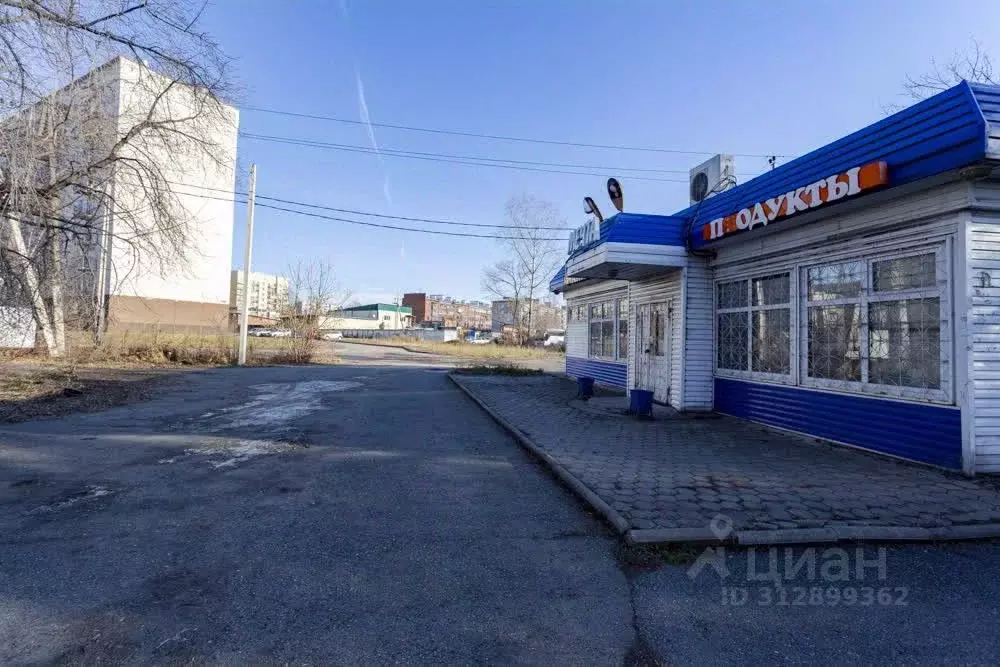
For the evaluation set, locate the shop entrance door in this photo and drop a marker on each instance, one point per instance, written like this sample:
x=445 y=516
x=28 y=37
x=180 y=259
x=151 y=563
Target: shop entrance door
x=652 y=353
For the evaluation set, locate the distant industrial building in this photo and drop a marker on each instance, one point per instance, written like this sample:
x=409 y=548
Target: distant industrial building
x=369 y=316
x=268 y=295
x=439 y=310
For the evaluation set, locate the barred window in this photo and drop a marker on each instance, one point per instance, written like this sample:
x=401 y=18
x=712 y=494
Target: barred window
x=876 y=322
x=602 y=329
x=753 y=325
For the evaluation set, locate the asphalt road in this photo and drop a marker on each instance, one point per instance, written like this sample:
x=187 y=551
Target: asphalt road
x=369 y=513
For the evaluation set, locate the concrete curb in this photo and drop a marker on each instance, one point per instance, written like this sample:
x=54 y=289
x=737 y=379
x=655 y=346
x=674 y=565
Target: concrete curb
x=617 y=521
x=820 y=535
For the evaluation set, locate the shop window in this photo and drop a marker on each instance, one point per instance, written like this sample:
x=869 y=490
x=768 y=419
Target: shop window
x=753 y=325
x=622 y=306
x=602 y=329
x=876 y=322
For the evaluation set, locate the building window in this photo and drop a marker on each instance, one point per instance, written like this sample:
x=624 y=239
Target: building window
x=753 y=325
x=622 y=306
x=876 y=322
x=602 y=330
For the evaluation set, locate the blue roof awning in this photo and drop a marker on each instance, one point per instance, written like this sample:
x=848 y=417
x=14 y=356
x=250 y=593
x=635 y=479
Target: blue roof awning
x=950 y=130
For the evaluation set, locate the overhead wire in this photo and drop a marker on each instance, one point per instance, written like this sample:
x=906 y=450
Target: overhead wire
x=441 y=157
x=568 y=165
x=364 y=223
x=498 y=137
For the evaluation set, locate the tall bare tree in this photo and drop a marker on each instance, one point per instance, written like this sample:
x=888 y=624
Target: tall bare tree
x=532 y=256
x=105 y=105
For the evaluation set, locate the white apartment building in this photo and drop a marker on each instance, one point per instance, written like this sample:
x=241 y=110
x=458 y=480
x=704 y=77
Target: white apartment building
x=268 y=294
x=126 y=285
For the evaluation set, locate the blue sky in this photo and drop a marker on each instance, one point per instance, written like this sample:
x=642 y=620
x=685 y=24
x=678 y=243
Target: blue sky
x=757 y=78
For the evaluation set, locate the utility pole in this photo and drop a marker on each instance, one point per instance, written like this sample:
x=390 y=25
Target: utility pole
x=245 y=306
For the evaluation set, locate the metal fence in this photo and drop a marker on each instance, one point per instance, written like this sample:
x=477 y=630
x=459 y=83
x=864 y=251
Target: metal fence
x=430 y=335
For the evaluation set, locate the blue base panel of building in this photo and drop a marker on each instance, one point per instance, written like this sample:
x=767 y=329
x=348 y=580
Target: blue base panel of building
x=916 y=431
x=604 y=372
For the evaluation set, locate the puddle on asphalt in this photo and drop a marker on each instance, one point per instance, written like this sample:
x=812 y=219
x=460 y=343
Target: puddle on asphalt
x=278 y=402
x=228 y=452
x=92 y=492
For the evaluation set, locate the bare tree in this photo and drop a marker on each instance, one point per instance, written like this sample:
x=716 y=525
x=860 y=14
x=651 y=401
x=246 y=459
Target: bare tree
x=972 y=65
x=315 y=296
x=503 y=282
x=533 y=256
x=105 y=105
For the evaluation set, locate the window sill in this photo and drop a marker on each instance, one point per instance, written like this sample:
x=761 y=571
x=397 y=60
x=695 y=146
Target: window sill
x=754 y=376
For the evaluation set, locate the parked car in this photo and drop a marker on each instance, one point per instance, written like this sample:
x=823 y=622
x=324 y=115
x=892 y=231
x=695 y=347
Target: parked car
x=555 y=340
x=331 y=335
x=479 y=338
x=280 y=333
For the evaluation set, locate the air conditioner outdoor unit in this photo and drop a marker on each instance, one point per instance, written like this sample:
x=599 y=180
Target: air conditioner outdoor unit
x=711 y=177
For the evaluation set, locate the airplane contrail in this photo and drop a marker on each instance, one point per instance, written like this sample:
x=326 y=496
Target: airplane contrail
x=367 y=120
x=363 y=111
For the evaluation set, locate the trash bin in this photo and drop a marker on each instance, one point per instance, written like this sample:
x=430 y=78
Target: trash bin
x=641 y=402
x=584 y=388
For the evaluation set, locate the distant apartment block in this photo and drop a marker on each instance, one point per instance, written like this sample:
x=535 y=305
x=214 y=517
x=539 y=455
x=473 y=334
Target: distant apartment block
x=268 y=294
x=444 y=311
x=544 y=316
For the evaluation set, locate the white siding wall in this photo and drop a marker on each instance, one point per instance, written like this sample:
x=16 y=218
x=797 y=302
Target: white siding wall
x=854 y=225
x=576 y=339
x=982 y=287
x=662 y=289
x=699 y=356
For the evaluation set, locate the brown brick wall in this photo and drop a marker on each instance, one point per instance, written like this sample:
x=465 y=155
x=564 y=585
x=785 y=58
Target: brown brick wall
x=418 y=302
x=129 y=313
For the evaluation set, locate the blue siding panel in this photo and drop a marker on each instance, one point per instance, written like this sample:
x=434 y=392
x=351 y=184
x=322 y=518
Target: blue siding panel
x=603 y=372
x=939 y=134
x=916 y=431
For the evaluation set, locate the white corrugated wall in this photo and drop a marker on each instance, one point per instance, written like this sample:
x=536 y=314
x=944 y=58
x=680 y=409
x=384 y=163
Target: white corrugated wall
x=983 y=345
x=661 y=289
x=699 y=356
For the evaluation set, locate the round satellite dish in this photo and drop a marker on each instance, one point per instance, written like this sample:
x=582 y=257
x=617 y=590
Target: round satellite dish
x=615 y=194
x=699 y=186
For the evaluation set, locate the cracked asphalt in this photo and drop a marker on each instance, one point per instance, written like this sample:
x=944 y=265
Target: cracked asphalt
x=370 y=513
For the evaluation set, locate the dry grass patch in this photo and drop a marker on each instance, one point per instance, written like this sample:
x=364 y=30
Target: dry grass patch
x=143 y=350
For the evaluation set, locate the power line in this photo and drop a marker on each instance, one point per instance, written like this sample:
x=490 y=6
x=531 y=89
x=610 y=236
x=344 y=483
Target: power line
x=499 y=137
x=433 y=221
x=265 y=137
x=384 y=226
x=404 y=229
x=439 y=157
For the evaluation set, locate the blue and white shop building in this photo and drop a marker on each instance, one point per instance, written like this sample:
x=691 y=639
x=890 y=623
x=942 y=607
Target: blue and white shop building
x=852 y=294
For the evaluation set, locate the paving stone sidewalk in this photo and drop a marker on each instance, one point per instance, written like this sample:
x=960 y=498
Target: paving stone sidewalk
x=667 y=480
